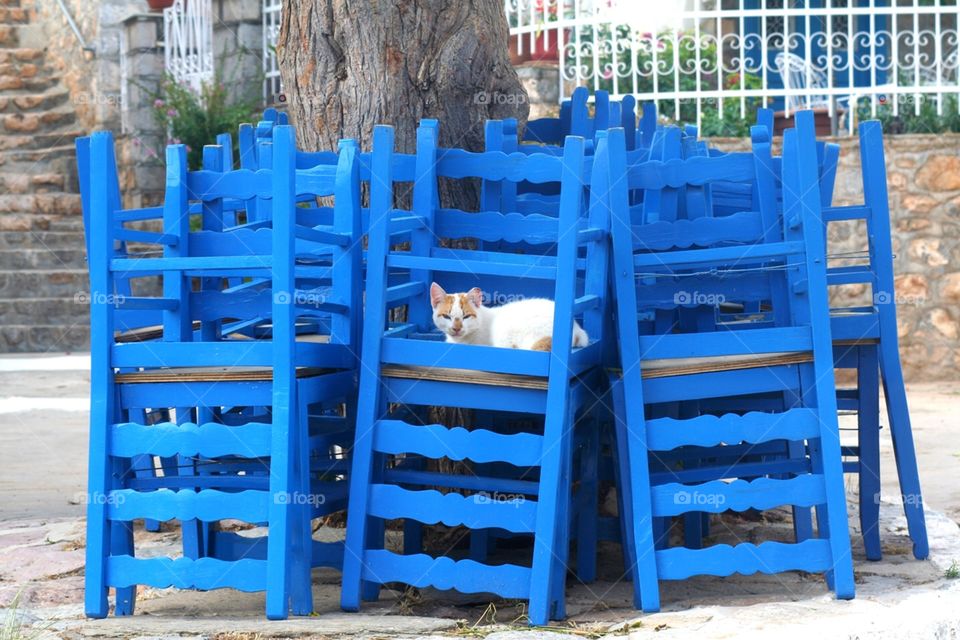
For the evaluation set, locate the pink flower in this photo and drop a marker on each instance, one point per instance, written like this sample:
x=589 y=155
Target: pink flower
x=171 y=113
x=158 y=103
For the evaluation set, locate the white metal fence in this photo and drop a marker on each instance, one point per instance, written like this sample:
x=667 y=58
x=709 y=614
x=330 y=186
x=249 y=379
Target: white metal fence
x=188 y=42
x=723 y=58
x=272 y=88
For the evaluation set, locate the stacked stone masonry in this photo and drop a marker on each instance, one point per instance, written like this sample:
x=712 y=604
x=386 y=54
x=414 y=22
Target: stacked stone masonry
x=923 y=178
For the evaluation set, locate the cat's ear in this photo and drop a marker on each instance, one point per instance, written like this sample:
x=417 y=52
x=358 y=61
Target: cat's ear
x=475 y=296
x=437 y=294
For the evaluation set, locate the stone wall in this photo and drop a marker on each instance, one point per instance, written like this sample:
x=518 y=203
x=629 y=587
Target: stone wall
x=93 y=79
x=923 y=178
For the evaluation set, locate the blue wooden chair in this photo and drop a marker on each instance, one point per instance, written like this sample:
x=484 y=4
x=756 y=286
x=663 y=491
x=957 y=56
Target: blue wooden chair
x=575 y=120
x=860 y=334
x=209 y=375
x=404 y=362
x=653 y=264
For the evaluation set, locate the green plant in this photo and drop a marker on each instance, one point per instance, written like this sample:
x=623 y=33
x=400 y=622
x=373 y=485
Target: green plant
x=952 y=572
x=15 y=625
x=195 y=118
x=657 y=57
x=908 y=120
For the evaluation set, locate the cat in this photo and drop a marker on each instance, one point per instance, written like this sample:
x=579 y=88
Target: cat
x=523 y=324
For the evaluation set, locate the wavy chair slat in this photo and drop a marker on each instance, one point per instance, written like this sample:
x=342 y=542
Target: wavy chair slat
x=478 y=511
x=655 y=174
x=493 y=226
x=479 y=445
x=717 y=496
x=184 y=573
x=211 y=440
x=811 y=555
x=207 y=505
x=496 y=165
x=466 y=576
x=746 y=226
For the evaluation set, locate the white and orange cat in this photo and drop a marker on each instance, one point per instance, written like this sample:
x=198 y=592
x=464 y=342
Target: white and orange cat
x=523 y=324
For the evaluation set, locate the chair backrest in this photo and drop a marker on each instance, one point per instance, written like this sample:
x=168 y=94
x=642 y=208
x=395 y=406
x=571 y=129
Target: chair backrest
x=246 y=274
x=500 y=269
x=662 y=236
x=753 y=255
x=575 y=120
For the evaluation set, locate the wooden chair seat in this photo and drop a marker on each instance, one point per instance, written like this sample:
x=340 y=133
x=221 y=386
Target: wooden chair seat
x=211 y=374
x=664 y=368
x=155 y=332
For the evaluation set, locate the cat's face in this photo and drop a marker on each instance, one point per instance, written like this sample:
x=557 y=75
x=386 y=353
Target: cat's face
x=456 y=314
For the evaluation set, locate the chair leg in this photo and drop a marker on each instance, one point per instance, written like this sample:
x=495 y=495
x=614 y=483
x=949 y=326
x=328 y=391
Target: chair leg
x=588 y=507
x=191 y=530
x=635 y=504
x=301 y=593
x=904 y=450
x=832 y=522
x=868 y=431
x=561 y=558
x=551 y=509
x=121 y=544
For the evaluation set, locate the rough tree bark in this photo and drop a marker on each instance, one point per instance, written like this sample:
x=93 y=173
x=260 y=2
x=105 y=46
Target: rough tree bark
x=348 y=65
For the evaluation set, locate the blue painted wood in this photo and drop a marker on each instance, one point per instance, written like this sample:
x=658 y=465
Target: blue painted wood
x=798 y=310
x=739 y=495
x=209 y=505
x=209 y=440
x=665 y=434
x=478 y=511
x=746 y=559
x=466 y=576
x=437 y=441
x=184 y=573
x=199 y=487
x=379 y=436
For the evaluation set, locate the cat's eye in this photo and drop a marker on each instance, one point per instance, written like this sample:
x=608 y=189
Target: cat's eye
x=469 y=315
x=444 y=316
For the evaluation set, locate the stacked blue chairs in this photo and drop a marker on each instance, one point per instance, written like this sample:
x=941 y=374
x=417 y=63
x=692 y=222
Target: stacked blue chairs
x=575 y=120
x=657 y=261
x=250 y=408
x=862 y=334
x=403 y=362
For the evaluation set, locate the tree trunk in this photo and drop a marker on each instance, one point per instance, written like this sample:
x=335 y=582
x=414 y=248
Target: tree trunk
x=348 y=65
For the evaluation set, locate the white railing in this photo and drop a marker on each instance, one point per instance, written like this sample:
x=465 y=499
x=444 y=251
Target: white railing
x=697 y=57
x=188 y=42
x=272 y=86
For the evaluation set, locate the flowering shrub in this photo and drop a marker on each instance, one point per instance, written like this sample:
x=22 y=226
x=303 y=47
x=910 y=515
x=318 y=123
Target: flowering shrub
x=196 y=118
